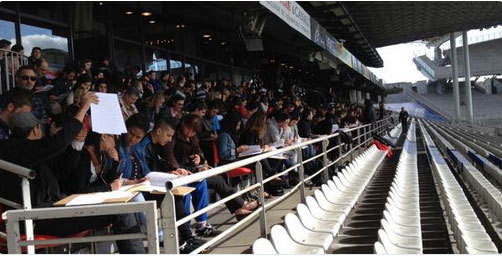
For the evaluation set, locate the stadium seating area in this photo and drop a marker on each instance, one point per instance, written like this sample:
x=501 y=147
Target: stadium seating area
x=465 y=167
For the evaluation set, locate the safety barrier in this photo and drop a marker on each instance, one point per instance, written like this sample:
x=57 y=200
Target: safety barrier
x=24 y=212
x=168 y=220
x=9 y=64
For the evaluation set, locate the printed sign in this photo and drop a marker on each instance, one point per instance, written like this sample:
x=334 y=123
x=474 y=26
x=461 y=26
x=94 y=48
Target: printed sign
x=319 y=33
x=291 y=13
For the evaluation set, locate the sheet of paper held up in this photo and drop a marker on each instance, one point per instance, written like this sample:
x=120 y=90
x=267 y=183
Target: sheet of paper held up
x=106 y=116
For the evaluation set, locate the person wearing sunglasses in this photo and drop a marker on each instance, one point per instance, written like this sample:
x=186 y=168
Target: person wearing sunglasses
x=25 y=80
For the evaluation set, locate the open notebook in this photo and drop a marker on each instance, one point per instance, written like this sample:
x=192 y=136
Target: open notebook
x=157 y=185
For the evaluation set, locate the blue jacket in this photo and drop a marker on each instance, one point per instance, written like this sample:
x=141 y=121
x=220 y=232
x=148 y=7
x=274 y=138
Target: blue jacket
x=226 y=147
x=126 y=166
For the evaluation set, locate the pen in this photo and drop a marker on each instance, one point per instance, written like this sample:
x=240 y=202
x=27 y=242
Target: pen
x=120 y=177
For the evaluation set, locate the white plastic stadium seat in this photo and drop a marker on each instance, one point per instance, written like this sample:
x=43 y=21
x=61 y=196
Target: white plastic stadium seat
x=314 y=224
x=285 y=245
x=304 y=236
x=263 y=246
x=379 y=249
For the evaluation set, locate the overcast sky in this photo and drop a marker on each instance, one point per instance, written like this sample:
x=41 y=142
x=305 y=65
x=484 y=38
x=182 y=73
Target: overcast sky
x=398 y=59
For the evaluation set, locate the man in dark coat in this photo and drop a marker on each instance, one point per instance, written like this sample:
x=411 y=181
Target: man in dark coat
x=403 y=118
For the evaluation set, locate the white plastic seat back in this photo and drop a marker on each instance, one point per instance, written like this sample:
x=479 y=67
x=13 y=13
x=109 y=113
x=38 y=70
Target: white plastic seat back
x=263 y=246
x=304 y=236
x=326 y=205
x=284 y=244
x=379 y=249
x=324 y=214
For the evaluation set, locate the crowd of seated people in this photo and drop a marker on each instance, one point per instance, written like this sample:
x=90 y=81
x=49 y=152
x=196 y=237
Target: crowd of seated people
x=174 y=124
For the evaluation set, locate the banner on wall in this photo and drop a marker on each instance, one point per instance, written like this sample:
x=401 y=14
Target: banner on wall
x=318 y=33
x=331 y=45
x=291 y=13
x=297 y=18
x=344 y=55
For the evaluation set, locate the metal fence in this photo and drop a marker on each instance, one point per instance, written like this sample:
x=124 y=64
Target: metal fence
x=24 y=213
x=362 y=135
x=9 y=64
x=168 y=220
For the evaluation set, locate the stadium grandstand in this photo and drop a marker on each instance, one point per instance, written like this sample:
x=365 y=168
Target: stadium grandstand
x=248 y=128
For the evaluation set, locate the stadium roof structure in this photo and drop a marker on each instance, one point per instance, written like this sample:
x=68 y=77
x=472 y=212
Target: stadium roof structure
x=366 y=25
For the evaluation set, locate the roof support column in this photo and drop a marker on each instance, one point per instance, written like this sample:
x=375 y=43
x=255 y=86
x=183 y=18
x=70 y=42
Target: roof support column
x=468 y=95
x=454 y=68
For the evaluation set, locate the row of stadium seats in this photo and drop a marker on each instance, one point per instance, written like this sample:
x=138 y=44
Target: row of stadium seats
x=469 y=232
x=487 y=146
x=485 y=190
x=400 y=231
x=394 y=134
x=312 y=229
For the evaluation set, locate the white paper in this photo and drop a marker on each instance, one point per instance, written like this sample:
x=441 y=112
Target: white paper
x=85 y=200
x=106 y=116
x=334 y=128
x=278 y=144
x=252 y=150
x=97 y=198
x=159 y=179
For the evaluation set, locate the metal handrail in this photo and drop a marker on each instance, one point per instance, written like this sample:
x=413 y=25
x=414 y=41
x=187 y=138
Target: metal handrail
x=225 y=168
x=168 y=220
x=9 y=64
x=19 y=170
x=14 y=217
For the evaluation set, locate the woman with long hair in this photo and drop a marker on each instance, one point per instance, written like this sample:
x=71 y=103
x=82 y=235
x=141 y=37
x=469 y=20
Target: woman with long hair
x=255 y=130
x=253 y=134
x=230 y=128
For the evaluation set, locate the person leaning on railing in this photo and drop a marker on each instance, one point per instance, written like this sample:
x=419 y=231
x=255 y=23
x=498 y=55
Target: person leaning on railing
x=184 y=152
x=134 y=167
x=29 y=148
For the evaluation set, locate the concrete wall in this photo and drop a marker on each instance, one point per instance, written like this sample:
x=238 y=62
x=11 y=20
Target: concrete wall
x=421 y=87
x=484 y=58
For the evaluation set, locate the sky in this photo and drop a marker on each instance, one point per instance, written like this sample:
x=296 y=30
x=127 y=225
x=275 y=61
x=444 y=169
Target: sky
x=32 y=36
x=398 y=59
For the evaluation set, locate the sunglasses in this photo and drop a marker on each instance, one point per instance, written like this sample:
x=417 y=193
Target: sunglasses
x=32 y=78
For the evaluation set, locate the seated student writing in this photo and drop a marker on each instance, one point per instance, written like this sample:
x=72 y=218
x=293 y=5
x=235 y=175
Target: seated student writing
x=134 y=169
x=29 y=148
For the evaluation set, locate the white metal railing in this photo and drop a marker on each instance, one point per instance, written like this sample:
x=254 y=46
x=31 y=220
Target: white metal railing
x=25 y=174
x=9 y=64
x=13 y=217
x=24 y=212
x=168 y=220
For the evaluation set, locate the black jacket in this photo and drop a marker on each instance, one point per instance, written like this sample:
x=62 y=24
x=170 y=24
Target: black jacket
x=35 y=154
x=305 y=129
x=153 y=155
x=79 y=181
